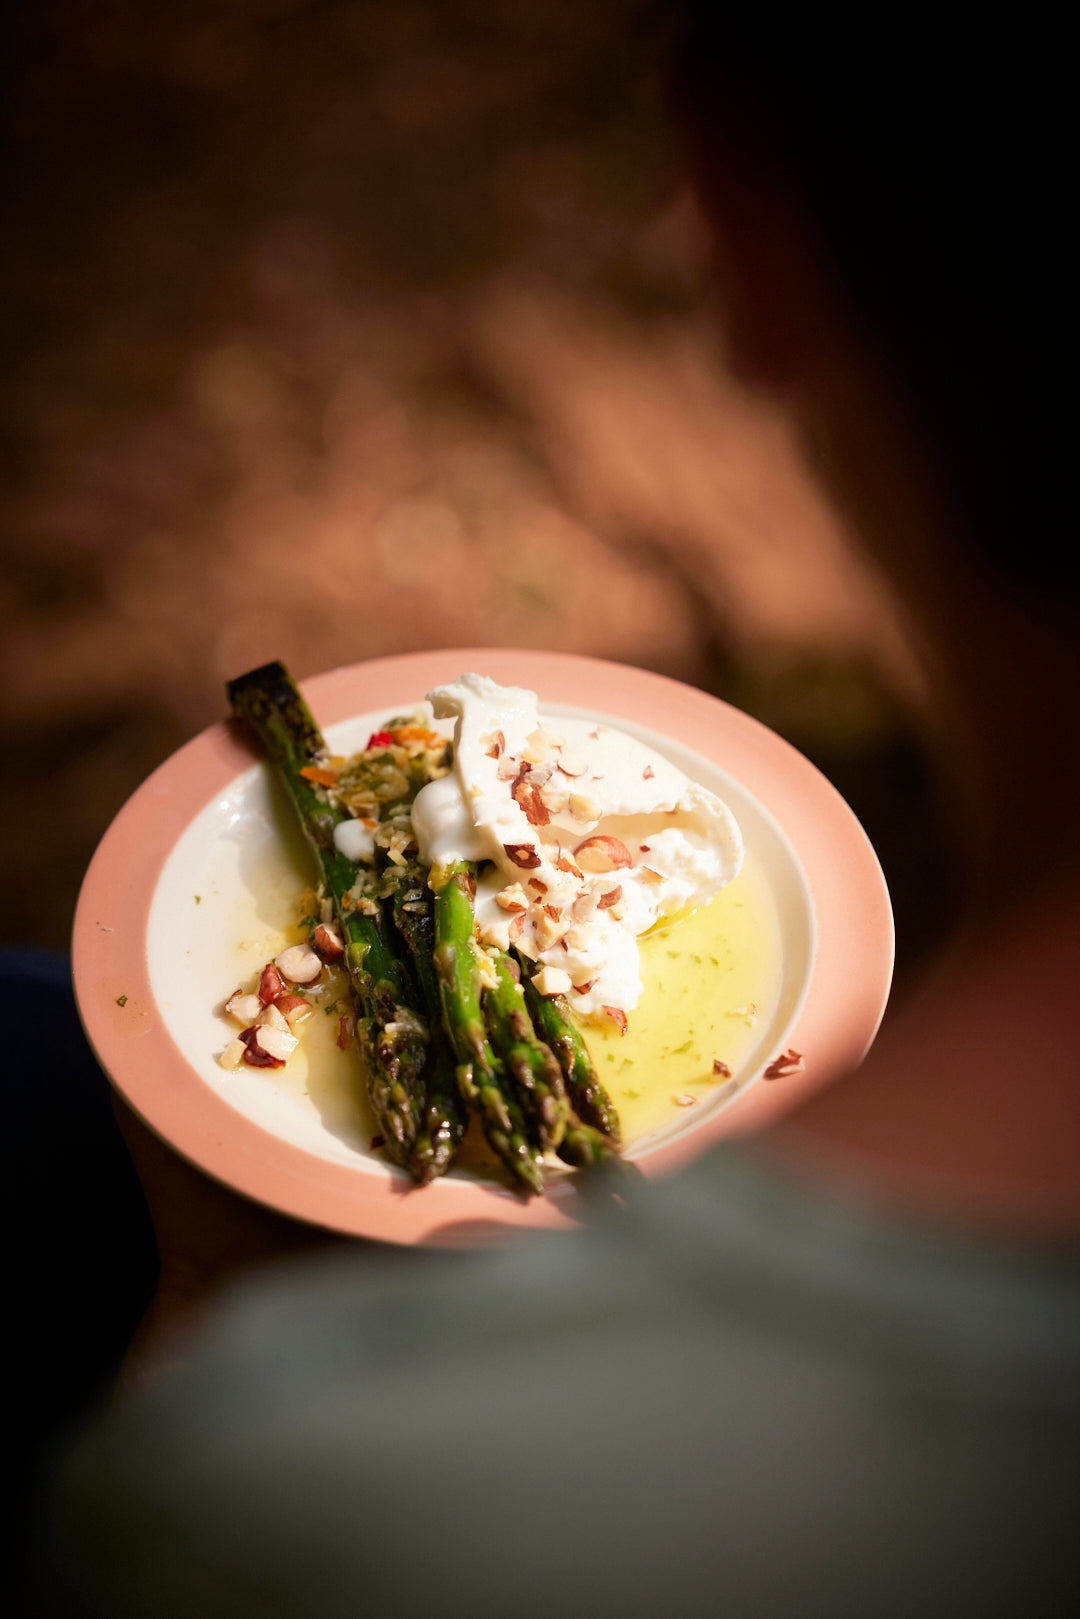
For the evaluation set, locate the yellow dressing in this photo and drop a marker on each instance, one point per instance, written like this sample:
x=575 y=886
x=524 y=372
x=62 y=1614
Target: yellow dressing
x=712 y=980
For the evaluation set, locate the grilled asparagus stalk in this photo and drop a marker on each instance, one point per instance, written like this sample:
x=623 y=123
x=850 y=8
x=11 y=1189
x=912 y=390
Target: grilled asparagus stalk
x=480 y=1073
x=392 y=1034
x=531 y=1065
x=589 y=1100
x=444 y=1117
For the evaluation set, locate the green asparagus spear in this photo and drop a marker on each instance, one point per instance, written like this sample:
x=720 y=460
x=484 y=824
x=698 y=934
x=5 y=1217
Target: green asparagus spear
x=589 y=1100
x=444 y=1119
x=530 y=1063
x=480 y=1073
x=585 y=1147
x=391 y=1033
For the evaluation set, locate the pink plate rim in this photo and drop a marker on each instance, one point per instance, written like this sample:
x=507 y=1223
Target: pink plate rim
x=840 y=1015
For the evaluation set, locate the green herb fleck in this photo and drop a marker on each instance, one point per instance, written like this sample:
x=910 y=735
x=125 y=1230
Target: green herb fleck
x=121 y=1000
x=684 y=1047
x=198 y=899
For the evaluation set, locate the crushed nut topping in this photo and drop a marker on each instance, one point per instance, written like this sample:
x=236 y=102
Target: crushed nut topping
x=789 y=1062
x=528 y=795
x=522 y=854
x=748 y=1013
x=512 y=898
x=617 y=1017
x=602 y=852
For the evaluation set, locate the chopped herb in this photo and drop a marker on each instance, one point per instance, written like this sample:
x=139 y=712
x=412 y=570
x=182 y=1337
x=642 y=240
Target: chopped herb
x=121 y=1000
x=684 y=1047
x=695 y=958
x=634 y=1096
x=198 y=899
x=674 y=954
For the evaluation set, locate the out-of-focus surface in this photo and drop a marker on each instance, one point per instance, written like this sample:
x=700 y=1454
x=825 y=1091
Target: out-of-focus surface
x=344 y=329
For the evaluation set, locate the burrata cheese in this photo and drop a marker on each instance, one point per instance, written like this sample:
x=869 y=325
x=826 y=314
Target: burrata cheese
x=591 y=837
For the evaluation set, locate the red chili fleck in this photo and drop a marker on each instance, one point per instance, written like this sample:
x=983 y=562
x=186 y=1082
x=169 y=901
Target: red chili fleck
x=380 y=739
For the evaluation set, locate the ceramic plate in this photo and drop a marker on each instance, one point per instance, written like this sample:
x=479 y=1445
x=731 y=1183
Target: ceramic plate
x=195 y=870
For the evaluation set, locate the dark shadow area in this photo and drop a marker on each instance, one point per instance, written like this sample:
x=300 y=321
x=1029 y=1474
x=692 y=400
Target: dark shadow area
x=82 y=1261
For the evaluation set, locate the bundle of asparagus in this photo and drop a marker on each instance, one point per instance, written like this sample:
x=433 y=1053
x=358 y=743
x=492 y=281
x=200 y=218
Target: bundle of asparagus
x=444 y=1028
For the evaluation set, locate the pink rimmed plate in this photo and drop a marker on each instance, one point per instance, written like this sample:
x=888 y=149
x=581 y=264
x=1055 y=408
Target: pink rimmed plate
x=190 y=864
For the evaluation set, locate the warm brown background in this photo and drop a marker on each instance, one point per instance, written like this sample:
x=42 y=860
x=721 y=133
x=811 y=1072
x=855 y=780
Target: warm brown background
x=333 y=330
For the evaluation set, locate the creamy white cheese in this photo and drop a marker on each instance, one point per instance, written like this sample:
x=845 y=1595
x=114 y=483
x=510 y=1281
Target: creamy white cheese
x=592 y=837
x=355 y=839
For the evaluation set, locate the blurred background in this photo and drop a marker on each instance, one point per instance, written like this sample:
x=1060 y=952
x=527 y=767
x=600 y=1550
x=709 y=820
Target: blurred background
x=339 y=328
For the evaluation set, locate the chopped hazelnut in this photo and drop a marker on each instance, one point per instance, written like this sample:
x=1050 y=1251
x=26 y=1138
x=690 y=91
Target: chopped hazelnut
x=789 y=1062
x=299 y=964
x=512 y=898
x=522 y=854
x=551 y=981
x=602 y=852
